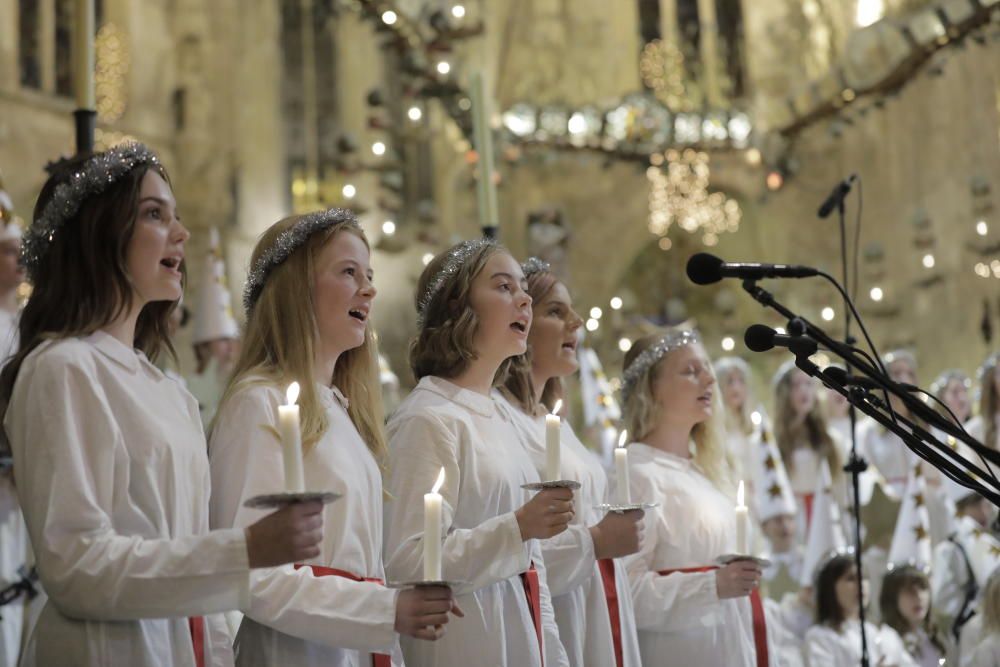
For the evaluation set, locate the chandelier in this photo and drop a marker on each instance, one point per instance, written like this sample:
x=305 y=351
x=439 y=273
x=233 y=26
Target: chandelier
x=679 y=195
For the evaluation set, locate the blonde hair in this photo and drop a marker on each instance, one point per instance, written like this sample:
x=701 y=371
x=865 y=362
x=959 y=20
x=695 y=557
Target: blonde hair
x=725 y=367
x=443 y=346
x=989 y=399
x=281 y=338
x=813 y=429
x=991 y=604
x=643 y=413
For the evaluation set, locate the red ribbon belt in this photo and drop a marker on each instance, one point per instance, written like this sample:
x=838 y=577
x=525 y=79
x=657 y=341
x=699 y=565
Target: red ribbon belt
x=807 y=500
x=607 y=567
x=532 y=591
x=378 y=659
x=757 y=613
x=197 y=626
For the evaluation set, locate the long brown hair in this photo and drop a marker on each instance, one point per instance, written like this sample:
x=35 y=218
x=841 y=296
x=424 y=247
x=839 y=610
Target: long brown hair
x=82 y=283
x=828 y=609
x=444 y=345
x=519 y=384
x=895 y=582
x=812 y=430
x=280 y=340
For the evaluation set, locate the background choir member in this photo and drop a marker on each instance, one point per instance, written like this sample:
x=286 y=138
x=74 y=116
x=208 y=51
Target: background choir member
x=590 y=590
x=474 y=317
x=109 y=453
x=331 y=610
x=689 y=611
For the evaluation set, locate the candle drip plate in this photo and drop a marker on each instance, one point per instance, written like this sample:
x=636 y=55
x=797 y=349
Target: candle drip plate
x=731 y=558
x=271 y=500
x=626 y=507
x=554 y=484
x=423 y=584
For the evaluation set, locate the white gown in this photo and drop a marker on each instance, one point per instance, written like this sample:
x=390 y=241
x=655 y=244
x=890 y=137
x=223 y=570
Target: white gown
x=951 y=574
x=680 y=617
x=890 y=456
x=986 y=653
x=920 y=650
x=13 y=534
x=826 y=647
x=976 y=427
x=113 y=476
x=575 y=581
x=442 y=425
x=296 y=619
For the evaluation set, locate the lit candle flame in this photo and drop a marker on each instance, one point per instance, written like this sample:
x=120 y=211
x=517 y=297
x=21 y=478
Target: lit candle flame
x=623 y=437
x=739 y=495
x=292 y=393
x=439 y=482
x=558 y=407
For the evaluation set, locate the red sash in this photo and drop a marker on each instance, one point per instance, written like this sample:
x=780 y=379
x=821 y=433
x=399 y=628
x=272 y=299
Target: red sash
x=757 y=613
x=533 y=592
x=807 y=501
x=197 y=627
x=378 y=659
x=607 y=566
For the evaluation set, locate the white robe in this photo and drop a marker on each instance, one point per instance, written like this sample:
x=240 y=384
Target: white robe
x=826 y=647
x=113 y=476
x=442 y=425
x=890 y=455
x=680 y=617
x=986 y=653
x=575 y=581
x=296 y=619
x=920 y=650
x=951 y=574
x=13 y=534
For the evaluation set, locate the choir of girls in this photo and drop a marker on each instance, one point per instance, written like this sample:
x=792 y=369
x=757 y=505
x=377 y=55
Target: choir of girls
x=130 y=495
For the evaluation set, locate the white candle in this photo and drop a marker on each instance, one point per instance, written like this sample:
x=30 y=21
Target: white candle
x=432 y=531
x=291 y=441
x=552 y=454
x=742 y=524
x=83 y=42
x=623 y=494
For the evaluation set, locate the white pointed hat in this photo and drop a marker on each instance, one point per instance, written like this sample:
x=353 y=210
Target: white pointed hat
x=213 y=317
x=774 y=491
x=826 y=531
x=911 y=539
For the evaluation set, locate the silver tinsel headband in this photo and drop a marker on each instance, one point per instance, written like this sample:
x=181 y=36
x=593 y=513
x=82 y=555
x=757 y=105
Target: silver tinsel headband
x=670 y=341
x=91 y=178
x=457 y=257
x=534 y=265
x=288 y=242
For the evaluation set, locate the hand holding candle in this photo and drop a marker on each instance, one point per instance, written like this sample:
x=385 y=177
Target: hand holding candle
x=432 y=531
x=623 y=495
x=742 y=524
x=291 y=441
x=552 y=453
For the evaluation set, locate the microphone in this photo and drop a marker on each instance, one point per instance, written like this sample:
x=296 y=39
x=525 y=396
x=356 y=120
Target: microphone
x=840 y=376
x=837 y=196
x=761 y=338
x=705 y=269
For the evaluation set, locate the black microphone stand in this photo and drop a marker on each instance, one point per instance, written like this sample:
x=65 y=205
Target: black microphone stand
x=855 y=464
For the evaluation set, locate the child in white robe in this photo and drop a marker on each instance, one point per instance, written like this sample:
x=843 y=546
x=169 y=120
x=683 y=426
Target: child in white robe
x=905 y=601
x=474 y=315
x=109 y=453
x=689 y=609
x=333 y=610
x=591 y=596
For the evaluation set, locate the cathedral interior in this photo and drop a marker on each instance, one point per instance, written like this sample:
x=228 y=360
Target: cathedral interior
x=613 y=138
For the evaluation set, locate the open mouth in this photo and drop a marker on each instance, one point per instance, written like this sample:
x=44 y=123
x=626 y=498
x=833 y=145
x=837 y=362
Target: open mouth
x=569 y=345
x=358 y=314
x=520 y=327
x=172 y=263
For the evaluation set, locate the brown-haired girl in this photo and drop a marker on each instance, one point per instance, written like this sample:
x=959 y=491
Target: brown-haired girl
x=109 y=453
x=590 y=589
x=905 y=602
x=474 y=315
x=309 y=299
x=985 y=426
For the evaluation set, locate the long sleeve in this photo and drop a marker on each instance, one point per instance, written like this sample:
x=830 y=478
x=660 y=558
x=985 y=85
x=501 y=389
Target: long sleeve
x=569 y=559
x=246 y=461
x=949 y=578
x=675 y=600
x=822 y=648
x=555 y=652
x=73 y=470
x=477 y=555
